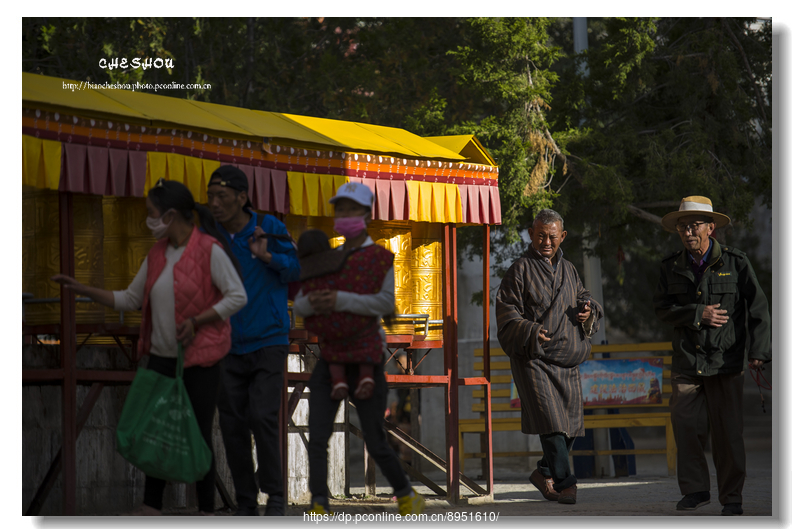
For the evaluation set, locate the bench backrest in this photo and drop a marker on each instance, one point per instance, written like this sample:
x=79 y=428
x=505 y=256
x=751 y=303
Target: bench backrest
x=501 y=377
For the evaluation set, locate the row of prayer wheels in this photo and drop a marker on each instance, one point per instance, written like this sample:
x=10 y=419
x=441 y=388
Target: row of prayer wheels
x=111 y=241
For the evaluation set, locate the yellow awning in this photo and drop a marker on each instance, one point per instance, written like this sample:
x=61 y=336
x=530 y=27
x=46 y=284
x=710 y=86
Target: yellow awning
x=267 y=124
x=385 y=140
x=467 y=145
x=165 y=111
x=169 y=111
x=56 y=92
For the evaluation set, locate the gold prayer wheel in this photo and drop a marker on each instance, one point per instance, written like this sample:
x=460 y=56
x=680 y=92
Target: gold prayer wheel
x=396 y=236
x=427 y=274
x=41 y=253
x=127 y=241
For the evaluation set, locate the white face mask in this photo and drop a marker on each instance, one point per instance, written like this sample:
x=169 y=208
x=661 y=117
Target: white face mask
x=157 y=227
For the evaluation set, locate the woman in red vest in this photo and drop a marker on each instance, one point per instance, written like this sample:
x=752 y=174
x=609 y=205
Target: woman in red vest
x=186 y=289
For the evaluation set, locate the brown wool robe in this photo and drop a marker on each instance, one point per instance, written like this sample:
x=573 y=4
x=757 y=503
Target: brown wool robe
x=547 y=376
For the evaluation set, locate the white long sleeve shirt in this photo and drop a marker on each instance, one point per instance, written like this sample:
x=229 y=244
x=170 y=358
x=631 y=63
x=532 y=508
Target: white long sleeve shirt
x=163 y=302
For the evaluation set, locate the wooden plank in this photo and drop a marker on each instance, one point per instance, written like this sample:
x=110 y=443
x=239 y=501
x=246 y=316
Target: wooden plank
x=620 y=422
x=623 y=452
x=597 y=349
x=418 y=476
x=496 y=393
x=496 y=406
x=472 y=381
x=628 y=406
x=480 y=455
x=506 y=394
x=506 y=406
x=632 y=347
x=623 y=420
x=494 y=366
x=495 y=351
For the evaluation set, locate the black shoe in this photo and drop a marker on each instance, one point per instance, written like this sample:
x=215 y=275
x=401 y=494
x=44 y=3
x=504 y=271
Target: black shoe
x=731 y=509
x=274 y=506
x=246 y=511
x=691 y=502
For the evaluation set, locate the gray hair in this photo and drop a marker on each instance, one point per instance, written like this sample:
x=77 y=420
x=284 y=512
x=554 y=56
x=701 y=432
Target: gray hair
x=548 y=216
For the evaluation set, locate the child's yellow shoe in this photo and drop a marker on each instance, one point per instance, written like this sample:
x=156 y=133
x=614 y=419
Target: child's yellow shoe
x=412 y=503
x=318 y=508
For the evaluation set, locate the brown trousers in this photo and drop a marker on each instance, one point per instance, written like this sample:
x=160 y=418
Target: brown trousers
x=718 y=398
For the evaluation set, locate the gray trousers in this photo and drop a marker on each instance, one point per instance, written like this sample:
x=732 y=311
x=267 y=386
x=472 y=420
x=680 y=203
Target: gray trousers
x=717 y=400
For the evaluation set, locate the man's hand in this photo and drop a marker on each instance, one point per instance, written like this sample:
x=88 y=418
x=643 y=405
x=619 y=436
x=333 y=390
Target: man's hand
x=584 y=312
x=542 y=335
x=323 y=301
x=755 y=363
x=258 y=245
x=713 y=316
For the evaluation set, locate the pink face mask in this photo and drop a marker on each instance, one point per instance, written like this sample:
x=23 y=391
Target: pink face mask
x=350 y=227
x=157 y=227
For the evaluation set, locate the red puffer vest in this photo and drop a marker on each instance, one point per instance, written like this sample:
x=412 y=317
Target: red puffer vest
x=194 y=293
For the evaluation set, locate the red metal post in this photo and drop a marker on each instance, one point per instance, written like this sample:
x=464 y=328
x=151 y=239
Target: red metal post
x=450 y=349
x=68 y=349
x=488 y=402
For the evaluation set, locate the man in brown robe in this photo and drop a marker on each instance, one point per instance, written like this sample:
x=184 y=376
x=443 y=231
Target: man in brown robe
x=545 y=321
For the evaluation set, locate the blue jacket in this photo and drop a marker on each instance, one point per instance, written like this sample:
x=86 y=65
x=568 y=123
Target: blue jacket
x=264 y=321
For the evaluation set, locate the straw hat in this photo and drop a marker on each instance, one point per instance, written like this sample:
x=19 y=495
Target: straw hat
x=694 y=205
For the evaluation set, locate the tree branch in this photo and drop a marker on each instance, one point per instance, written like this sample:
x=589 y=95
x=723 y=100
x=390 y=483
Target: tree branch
x=645 y=215
x=659 y=204
x=725 y=24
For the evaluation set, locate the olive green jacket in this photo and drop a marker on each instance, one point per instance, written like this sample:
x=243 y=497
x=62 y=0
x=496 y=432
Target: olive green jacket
x=730 y=280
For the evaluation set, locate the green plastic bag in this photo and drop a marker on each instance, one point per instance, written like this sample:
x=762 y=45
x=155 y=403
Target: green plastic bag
x=158 y=432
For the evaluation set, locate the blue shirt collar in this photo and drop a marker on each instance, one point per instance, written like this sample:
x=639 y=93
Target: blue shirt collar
x=249 y=227
x=706 y=255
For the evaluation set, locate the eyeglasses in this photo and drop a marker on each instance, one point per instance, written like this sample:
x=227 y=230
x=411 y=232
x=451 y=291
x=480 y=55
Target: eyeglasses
x=683 y=228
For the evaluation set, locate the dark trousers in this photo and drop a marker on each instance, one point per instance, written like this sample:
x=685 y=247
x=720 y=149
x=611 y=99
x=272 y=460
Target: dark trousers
x=718 y=398
x=371 y=413
x=202 y=385
x=250 y=398
x=555 y=463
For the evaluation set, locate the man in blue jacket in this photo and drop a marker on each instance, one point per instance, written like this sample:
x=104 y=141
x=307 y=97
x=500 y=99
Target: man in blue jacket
x=250 y=395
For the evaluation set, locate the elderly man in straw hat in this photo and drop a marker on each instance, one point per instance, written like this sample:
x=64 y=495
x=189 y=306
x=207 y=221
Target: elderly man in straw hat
x=711 y=296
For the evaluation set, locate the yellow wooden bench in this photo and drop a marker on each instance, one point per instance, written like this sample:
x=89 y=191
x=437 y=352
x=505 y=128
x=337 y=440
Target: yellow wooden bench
x=640 y=415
